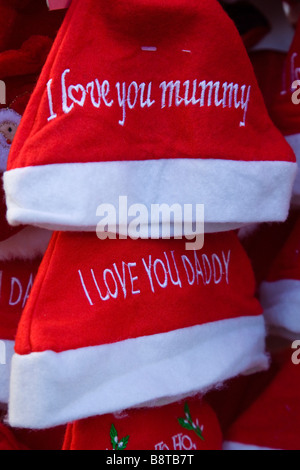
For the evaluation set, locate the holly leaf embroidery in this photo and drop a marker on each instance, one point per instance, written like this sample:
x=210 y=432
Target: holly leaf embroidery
x=113 y=436
x=187 y=423
x=123 y=443
x=187 y=412
x=116 y=443
x=199 y=433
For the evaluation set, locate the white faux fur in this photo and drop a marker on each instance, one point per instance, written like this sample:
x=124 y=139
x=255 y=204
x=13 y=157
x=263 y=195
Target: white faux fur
x=294 y=142
x=27 y=244
x=6 y=354
x=66 y=196
x=48 y=389
x=281 y=303
x=238 y=446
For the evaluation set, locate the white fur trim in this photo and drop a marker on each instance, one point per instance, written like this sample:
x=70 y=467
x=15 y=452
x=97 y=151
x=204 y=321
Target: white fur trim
x=6 y=354
x=281 y=303
x=49 y=389
x=238 y=446
x=294 y=142
x=27 y=244
x=66 y=196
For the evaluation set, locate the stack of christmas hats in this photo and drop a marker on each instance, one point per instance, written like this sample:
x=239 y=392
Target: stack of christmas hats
x=270 y=421
x=278 y=77
x=141 y=102
x=21 y=248
x=23 y=52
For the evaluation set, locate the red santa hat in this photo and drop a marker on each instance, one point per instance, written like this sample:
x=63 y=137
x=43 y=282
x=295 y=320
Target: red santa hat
x=261 y=252
x=19 y=69
x=268 y=67
x=272 y=422
x=21 y=248
x=16 y=281
x=116 y=324
x=167 y=111
x=184 y=426
x=280 y=292
x=239 y=393
x=277 y=73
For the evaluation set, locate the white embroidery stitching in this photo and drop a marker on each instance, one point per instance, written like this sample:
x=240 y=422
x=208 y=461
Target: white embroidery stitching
x=130 y=96
x=122 y=280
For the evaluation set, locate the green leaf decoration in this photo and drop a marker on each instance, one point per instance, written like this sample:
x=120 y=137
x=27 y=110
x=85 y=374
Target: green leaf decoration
x=122 y=444
x=187 y=411
x=185 y=424
x=113 y=437
x=199 y=433
x=118 y=444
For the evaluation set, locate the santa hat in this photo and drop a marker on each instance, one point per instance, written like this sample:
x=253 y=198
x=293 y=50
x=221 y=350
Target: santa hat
x=167 y=111
x=268 y=67
x=19 y=69
x=184 y=426
x=239 y=393
x=277 y=73
x=130 y=323
x=21 y=248
x=272 y=422
x=16 y=281
x=280 y=292
x=257 y=244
